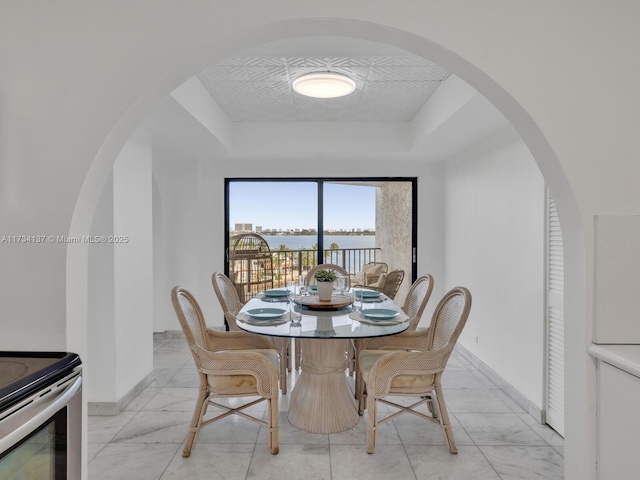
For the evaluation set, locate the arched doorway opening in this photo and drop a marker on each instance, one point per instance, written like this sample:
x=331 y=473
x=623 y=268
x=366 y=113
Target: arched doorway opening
x=578 y=427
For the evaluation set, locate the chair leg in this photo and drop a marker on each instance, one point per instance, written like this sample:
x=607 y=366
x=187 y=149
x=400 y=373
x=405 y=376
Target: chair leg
x=351 y=358
x=445 y=424
x=356 y=345
x=283 y=367
x=362 y=394
x=372 y=424
x=289 y=356
x=196 y=420
x=273 y=441
x=297 y=354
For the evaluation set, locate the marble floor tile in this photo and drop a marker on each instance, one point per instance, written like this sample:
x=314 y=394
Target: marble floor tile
x=155 y=427
x=210 y=461
x=498 y=429
x=509 y=402
x=417 y=431
x=475 y=401
x=496 y=438
x=172 y=361
x=186 y=377
x=547 y=433
x=353 y=462
x=294 y=462
x=232 y=429
x=173 y=399
x=290 y=435
x=93 y=449
x=438 y=463
x=162 y=376
x=387 y=434
x=102 y=429
x=466 y=379
x=139 y=402
x=525 y=462
x=131 y=462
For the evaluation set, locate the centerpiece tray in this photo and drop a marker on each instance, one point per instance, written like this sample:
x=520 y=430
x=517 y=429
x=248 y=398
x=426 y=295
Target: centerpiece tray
x=313 y=302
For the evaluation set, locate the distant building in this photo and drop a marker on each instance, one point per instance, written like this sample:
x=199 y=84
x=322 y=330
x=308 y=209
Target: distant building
x=243 y=227
x=258 y=229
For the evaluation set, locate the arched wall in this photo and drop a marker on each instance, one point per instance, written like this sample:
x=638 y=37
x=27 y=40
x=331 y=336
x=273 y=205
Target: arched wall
x=580 y=426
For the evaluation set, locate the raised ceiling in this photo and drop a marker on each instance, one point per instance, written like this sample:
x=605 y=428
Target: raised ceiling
x=258 y=88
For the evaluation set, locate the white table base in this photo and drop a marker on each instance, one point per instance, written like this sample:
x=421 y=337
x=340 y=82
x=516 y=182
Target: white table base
x=321 y=401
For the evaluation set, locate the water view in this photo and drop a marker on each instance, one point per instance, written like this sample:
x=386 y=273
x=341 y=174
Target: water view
x=300 y=242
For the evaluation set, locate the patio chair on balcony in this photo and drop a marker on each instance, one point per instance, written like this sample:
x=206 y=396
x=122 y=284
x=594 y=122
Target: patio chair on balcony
x=372 y=275
x=390 y=283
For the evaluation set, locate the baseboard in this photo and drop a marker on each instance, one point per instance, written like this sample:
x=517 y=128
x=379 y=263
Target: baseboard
x=114 y=408
x=505 y=387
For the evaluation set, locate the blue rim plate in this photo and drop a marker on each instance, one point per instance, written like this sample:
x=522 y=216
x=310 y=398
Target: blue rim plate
x=276 y=292
x=266 y=313
x=379 y=313
x=367 y=293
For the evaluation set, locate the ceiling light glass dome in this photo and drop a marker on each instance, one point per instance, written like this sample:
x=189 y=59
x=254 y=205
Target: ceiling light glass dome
x=324 y=85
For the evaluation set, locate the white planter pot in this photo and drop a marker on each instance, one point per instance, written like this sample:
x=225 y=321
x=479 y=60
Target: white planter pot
x=324 y=291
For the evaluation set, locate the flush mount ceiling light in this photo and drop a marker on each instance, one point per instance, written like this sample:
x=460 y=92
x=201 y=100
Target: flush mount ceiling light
x=324 y=85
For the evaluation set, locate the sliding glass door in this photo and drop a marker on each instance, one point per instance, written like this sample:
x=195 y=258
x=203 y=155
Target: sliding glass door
x=277 y=229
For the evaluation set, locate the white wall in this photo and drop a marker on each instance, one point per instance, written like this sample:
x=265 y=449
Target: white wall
x=133 y=262
x=101 y=387
x=494 y=245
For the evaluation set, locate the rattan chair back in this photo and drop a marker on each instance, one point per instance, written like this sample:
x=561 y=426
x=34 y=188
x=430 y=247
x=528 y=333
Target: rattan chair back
x=228 y=298
x=417 y=299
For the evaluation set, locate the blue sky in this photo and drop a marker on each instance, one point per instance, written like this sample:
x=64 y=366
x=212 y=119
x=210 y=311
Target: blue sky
x=294 y=205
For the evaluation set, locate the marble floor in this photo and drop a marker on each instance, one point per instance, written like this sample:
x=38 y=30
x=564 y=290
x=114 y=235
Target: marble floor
x=496 y=438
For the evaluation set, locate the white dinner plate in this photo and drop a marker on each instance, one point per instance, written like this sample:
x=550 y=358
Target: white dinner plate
x=276 y=292
x=379 y=313
x=266 y=313
x=367 y=293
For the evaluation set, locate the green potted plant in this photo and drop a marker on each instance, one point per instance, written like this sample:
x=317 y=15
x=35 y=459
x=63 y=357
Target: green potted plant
x=324 y=279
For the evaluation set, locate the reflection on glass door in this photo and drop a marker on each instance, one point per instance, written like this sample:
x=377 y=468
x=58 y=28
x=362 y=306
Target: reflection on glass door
x=273 y=236
x=349 y=224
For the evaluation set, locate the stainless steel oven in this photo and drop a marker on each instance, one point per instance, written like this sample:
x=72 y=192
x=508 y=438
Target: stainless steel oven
x=40 y=415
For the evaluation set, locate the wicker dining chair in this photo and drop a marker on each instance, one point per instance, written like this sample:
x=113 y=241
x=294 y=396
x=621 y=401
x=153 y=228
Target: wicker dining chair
x=417 y=370
x=413 y=307
x=417 y=299
x=309 y=280
x=230 y=364
x=231 y=306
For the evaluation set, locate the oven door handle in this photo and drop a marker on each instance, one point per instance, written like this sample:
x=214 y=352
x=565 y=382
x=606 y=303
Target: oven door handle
x=34 y=422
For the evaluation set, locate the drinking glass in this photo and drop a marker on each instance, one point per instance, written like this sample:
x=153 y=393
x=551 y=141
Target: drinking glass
x=295 y=313
x=291 y=286
x=342 y=284
x=302 y=285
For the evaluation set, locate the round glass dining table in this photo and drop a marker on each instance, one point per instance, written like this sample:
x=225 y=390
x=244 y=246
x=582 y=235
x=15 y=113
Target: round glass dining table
x=321 y=400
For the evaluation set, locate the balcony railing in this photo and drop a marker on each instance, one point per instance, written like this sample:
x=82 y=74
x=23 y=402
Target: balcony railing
x=289 y=265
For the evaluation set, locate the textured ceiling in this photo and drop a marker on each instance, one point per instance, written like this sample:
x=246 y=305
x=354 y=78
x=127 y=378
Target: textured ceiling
x=258 y=88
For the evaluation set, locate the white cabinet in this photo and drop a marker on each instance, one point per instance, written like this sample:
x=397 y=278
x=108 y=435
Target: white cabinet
x=618 y=423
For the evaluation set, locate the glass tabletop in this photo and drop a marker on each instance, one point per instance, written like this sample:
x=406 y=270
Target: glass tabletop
x=347 y=322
